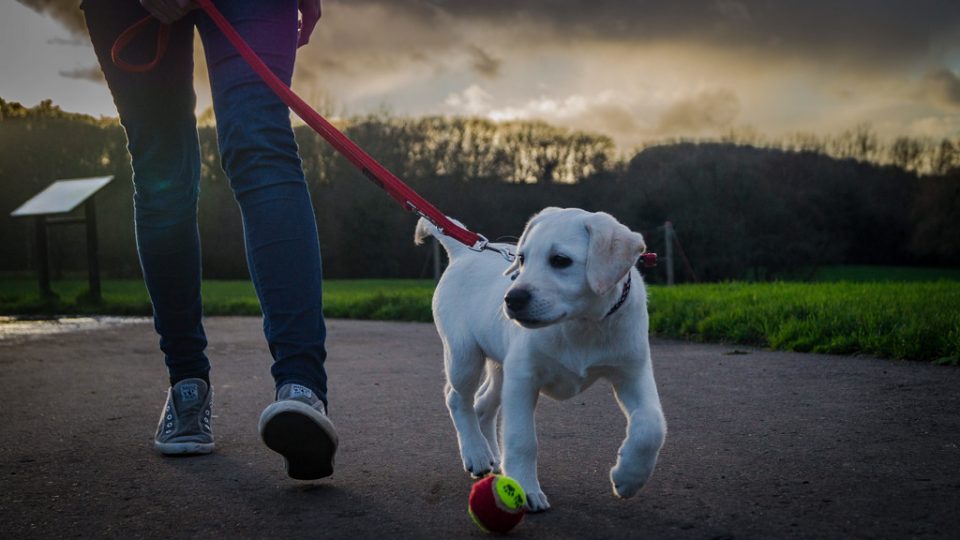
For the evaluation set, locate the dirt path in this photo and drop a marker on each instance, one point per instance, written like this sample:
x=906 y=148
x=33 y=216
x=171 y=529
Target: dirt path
x=760 y=445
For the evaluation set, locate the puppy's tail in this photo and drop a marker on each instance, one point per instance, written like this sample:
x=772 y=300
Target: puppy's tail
x=425 y=229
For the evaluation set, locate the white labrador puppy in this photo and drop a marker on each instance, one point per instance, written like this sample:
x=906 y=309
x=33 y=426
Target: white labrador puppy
x=571 y=309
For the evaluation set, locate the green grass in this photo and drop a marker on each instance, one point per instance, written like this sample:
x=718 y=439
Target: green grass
x=918 y=321
x=403 y=300
x=912 y=320
x=863 y=274
x=400 y=299
x=20 y=296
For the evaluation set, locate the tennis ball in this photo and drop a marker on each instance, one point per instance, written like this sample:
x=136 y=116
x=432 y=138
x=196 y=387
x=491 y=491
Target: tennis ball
x=497 y=503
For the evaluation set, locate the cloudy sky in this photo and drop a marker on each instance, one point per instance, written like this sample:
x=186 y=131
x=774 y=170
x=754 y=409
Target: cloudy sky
x=636 y=70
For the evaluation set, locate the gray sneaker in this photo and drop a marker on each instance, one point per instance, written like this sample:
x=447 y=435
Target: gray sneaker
x=296 y=426
x=185 y=422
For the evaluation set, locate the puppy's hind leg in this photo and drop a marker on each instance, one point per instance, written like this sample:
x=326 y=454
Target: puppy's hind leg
x=464 y=368
x=488 y=406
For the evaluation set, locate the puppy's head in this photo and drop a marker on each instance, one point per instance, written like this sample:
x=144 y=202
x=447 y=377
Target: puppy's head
x=568 y=262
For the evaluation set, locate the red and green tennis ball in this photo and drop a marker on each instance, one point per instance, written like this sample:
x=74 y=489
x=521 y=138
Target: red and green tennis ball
x=497 y=503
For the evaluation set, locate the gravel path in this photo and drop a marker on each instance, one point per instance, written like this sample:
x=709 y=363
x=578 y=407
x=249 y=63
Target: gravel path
x=760 y=445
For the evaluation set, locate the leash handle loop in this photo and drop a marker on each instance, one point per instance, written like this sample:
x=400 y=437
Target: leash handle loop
x=124 y=39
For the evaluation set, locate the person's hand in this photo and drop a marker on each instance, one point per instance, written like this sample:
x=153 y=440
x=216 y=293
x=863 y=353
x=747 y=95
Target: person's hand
x=310 y=11
x=168 y=11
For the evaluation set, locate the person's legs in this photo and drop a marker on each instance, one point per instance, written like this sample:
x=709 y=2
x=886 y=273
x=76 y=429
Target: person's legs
x=157 y=111
x=260 y=156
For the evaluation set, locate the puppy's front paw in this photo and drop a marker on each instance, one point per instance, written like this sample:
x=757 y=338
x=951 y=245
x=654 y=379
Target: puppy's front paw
x=479 y=462
x=626 y=482
x=537 y=501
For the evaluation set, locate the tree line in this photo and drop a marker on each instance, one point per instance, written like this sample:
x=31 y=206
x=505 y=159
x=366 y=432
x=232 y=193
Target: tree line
x=740 y=211
x=923 y=155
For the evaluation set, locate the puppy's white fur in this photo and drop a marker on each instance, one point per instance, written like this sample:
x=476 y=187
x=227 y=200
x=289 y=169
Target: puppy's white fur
x=554 y=338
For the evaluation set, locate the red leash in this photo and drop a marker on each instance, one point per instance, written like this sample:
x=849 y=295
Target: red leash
x=402 y=193
x=408 y=198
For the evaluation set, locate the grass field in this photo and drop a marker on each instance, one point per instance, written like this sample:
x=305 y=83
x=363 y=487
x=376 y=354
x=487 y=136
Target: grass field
x=867 y=274
x=913 y=318
x=400 y=299
x=918 y=321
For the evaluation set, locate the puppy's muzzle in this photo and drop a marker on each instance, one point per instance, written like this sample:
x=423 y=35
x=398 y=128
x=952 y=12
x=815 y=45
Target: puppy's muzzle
x=517 y=300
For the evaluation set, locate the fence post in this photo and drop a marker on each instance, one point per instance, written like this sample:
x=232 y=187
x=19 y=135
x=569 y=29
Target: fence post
x=43 y=264
x=93 y=251
x=668 y=249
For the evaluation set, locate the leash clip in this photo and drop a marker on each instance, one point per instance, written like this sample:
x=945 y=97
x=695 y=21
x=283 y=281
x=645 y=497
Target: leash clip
x=484 y=245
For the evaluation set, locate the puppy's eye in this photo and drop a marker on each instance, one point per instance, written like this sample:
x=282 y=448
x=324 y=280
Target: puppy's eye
x=560 y=261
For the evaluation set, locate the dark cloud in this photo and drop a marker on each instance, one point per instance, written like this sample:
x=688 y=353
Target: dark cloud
x=877 y=53
x=863 y=31
x=708 y=112
x=67 y=12
x=731 y=11
x=483 y=63
x=867 y=32
x=941 y=86
x=92 y=73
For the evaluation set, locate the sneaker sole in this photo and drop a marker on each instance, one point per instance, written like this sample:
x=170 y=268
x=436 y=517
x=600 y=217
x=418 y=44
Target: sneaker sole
x=304 y=437
x=183 y=448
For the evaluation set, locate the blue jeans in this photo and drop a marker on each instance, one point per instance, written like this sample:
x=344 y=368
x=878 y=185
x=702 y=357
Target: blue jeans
x=259 y=155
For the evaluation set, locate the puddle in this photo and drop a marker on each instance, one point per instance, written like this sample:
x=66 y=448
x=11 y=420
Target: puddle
x=14 y=327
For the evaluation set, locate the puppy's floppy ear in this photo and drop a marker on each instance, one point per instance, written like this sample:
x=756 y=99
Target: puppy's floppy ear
x=515 y=266
x=612 y=252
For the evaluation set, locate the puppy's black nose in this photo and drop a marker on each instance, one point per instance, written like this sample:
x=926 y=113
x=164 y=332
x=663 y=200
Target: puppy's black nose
x=517 y=299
